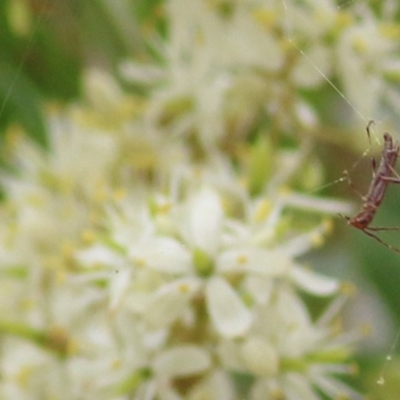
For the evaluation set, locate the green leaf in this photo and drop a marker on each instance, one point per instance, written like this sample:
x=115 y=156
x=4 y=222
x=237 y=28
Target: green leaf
x=20 y=103
x=147 y=9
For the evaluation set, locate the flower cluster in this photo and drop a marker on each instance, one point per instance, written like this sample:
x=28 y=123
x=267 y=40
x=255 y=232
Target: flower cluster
x=229 y=68
x=152 y=251
x=160 y=293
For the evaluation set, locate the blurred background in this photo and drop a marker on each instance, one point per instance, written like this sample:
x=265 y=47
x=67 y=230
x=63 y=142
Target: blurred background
x=45 y=47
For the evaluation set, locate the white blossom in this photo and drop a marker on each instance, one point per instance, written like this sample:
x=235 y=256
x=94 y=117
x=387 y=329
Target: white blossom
x=153 y=251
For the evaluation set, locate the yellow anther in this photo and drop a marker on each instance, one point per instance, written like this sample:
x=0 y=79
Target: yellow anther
x=184 y=288
x=242 y=259
x=120 y=193
x=317 y=239
x=390 y=31
x=328 y=225
x=344 y=19
x=348 y=289
x=360 y=44
x=267 y=18
x=88 y=236
x=263 y=210
x=140 y=262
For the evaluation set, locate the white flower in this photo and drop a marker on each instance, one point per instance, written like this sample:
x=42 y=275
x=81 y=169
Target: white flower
x=363 y=51
x=182 y=361
x=208 y=267
x=151 y=252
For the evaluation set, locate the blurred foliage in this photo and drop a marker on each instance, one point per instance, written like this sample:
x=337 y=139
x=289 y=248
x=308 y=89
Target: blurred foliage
x=45 y=44
x=36 y=63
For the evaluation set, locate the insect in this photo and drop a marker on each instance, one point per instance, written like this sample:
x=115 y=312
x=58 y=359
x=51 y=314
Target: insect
x=382 y=176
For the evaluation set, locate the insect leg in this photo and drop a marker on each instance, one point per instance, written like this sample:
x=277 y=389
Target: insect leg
x=389 y=246
x=383 y=228
x=373 y=161
x=392 y=179
x=350 y=183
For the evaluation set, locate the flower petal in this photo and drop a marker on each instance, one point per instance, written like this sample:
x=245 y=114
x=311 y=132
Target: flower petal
x=265 y=262
x=182 y=361
x=314 y=283
x=260 y=357
x=230 y=316
x=165 y=254
x=204 y=221
x=167 y=304
x=99 y=255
